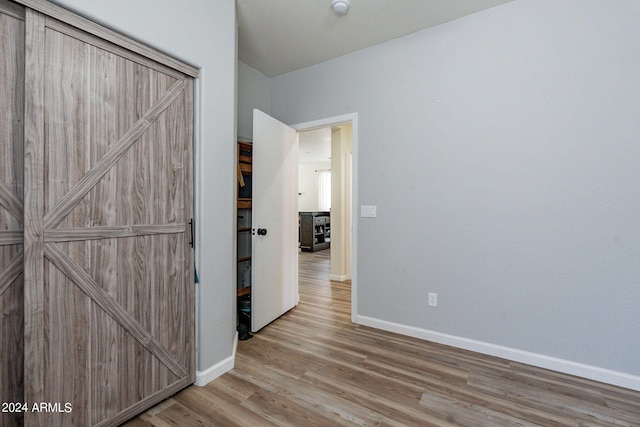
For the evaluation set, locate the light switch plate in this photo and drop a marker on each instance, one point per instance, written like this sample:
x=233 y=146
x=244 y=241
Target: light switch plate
x=367 y=211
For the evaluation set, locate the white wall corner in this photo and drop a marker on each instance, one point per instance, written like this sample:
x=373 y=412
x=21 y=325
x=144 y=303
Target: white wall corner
x=608 y=376
x=205 y=377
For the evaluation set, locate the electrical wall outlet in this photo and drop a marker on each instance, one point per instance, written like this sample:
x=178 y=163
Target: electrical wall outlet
x=433 y=299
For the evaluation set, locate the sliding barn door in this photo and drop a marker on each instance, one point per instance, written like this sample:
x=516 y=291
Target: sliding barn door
x=11 y=249
x=109 y=305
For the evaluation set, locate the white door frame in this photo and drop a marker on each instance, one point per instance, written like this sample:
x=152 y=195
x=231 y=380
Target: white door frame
x=334 y=121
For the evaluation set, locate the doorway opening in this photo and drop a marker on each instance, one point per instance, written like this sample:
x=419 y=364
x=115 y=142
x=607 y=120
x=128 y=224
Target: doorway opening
x=328 y=229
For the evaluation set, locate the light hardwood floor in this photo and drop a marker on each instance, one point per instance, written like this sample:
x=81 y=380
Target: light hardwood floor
x=313 y=367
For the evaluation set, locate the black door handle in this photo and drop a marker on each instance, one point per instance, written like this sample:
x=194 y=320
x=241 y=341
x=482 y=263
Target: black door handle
x=262 y=231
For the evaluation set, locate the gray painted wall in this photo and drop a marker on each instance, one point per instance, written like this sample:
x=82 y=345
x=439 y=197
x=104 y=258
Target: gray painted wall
x=254 y=91
x=202 y=33
x=503 y=153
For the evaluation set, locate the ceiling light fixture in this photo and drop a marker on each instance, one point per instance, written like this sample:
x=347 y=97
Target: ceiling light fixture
x=340 y=7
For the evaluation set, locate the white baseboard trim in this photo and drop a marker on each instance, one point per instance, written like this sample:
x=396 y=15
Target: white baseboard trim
x=205 y=377
x=338 y=278
x=560 y=365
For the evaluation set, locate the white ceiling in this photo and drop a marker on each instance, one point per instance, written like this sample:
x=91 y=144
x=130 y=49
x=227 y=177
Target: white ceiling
x=315 y=146
x=279 y=36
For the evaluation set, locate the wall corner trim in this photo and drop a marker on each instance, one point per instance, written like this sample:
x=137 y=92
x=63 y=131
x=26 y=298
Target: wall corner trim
x=608 y=376
x=205 y=377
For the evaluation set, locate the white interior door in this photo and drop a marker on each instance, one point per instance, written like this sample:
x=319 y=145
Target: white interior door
x=274 y=246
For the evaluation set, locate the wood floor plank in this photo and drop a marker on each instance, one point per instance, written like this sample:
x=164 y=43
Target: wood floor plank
x=466 y=414
x=179 y=414
x=219 y=409
x=326 y=402
x=392 y=410
x=280 y=409
x=313 y=366
x=234 y=387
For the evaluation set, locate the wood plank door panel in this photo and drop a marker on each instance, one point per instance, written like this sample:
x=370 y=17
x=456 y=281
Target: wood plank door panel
x=11 y=208
x=111 y=322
